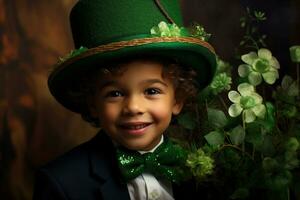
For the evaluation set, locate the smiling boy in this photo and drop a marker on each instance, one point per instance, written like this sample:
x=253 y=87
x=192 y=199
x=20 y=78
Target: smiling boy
x=131 y=73
x=135 y=107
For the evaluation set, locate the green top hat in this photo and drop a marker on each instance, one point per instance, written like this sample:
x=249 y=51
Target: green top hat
x=104 y=30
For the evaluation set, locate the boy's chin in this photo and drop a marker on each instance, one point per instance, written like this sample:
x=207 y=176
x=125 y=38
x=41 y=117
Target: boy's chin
x=140 y=145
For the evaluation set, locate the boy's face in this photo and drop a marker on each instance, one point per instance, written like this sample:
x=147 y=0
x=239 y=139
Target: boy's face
x=135 y=107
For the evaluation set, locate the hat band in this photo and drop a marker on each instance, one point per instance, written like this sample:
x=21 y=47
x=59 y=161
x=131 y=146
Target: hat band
x=142 y=41
x=113 y=46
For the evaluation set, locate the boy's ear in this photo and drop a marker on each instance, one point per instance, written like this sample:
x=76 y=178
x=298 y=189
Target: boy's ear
x=177 y=107
x=91 y=106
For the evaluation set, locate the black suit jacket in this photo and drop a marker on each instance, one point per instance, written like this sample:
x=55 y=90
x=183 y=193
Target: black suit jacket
x=89 y=172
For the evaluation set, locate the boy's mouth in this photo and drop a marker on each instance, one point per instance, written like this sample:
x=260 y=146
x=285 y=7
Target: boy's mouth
x=134 y=126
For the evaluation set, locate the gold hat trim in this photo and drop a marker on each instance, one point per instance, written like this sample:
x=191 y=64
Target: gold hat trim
x=132 y=43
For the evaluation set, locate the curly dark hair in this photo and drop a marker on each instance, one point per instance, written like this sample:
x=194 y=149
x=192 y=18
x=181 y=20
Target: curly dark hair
x=183 y=79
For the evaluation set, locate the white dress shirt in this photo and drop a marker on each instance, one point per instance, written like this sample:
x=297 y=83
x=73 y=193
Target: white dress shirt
x=147 y=187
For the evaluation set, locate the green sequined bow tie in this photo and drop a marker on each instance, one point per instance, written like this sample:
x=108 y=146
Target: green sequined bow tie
x=167 y=161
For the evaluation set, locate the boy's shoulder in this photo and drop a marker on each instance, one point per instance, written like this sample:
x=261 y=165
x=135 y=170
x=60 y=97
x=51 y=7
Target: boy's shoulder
x=86 y=172
x=80 y=160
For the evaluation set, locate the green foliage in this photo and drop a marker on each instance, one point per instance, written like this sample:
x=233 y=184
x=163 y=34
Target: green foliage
x=216 y=118
x=198 y=31
x=237 y=135
x=215 y=138
x=200 y=164
x=187 y=121
x=251 y=138
x=252 y=39
x=72 y=54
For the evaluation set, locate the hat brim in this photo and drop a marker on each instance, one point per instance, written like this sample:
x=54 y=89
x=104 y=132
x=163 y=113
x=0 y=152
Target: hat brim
x=193 y=53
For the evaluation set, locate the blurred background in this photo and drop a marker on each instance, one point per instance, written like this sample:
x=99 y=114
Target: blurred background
x=34 y=128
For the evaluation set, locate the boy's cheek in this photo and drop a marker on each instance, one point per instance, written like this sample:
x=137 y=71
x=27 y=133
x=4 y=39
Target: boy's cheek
x=161 y=112
x=108 y=113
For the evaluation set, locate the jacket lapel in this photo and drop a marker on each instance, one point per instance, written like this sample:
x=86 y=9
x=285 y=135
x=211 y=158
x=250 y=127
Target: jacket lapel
x=104 y=169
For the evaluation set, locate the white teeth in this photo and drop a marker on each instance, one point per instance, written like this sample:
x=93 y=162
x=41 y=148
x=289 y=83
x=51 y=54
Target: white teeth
x=136 y=127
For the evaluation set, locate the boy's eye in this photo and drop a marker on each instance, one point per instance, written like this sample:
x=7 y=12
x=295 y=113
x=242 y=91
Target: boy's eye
x=152 y=91
x=114 y=93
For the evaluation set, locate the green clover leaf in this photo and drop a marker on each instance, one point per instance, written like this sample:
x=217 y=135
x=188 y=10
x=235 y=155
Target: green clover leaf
x=164 y=29
x=222 y=66
x=198 y=31
x=295 y=54
x=260 y=66
x=167 y=30
x=73 y=53
x=247 y=102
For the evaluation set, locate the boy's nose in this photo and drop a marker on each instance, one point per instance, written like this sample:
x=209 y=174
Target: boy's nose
x=133 y=105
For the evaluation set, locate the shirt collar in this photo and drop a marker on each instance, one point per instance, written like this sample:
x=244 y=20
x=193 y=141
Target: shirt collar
x=153 y=149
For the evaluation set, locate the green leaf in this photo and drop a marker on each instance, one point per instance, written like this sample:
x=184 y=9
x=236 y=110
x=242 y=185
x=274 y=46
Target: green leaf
x=73 y=53
x=240 y=193
x=259 y=15
x=216 y=118
x=237 y=135
x=215 y=138
x=289 y=111
x=254 y=134
x=187 y=121
x=269 y=122
x=286 y=82
x=268 y=148
x=291 y=160
x=295 y=53
x=289 y=86
x=279 y=180
x=292 y=144
x=269 y=164
x=293 y=90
